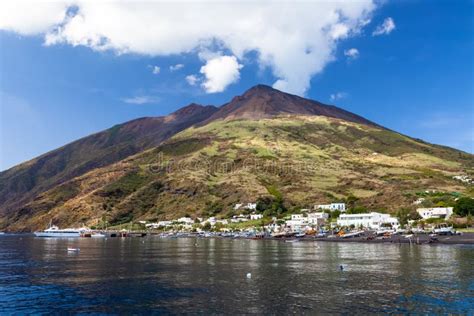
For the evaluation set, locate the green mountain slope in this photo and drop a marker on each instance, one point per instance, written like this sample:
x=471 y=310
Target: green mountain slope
x=301 y=160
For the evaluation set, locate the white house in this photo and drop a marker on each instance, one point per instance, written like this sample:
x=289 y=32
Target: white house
x=371 y=220
x=435 y=212
x=332 y=207
x=185 y=220
x=248 y=206
x=159 y=224
x=463 y=178
x=239 y=218
x=297 y=222
x=256 y=216
x=419 y=201
x=317 y=218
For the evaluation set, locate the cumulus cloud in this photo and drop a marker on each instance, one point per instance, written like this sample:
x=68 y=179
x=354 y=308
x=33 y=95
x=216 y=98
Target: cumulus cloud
x=155 y=70
x=385 y=28
x=176 y=67
x=337 y=96
x=352 y=53
x=294 y=40
x=142 y=99
x=220 y=72
x=192 y=80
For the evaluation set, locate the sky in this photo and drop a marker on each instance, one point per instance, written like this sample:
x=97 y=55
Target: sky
x=72 y=68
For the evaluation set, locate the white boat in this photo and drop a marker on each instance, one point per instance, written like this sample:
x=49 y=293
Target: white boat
x=98 y=235
x=384 y=232
x=353 y=234
x=54 y=231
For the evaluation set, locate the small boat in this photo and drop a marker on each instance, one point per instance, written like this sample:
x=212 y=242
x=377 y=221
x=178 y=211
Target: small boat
x=98 y=235
x=70 y=249
x=351 y=235
x=283 y=235
x=384 y=232
x=292 y=240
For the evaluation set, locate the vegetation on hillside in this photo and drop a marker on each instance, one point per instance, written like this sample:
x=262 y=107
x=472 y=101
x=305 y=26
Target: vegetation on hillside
x=284 y=164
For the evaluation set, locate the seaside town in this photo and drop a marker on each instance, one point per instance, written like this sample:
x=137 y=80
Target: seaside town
x=308 y=222
x=327 y=222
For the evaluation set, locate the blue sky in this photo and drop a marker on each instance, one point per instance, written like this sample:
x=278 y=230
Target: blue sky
x=415 y=77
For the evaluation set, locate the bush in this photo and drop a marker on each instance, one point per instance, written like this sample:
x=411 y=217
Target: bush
x=464 y=206
x=357 y=210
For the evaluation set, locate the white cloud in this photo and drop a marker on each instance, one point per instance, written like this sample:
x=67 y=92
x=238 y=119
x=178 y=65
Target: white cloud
x=220 y=72
x=296 y=41
x=176 y=67
x=337 y=96
x=192 y=80
x=155 y=69
x=352 y=53
x=143 y=99
x=386 y=27
x=31 y=18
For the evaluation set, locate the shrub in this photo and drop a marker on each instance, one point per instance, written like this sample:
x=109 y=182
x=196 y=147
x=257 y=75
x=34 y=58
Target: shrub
x=464 y=206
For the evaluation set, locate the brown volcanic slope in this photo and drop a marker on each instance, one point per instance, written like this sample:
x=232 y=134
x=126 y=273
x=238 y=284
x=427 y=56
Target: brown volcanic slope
x=161 y=168
x=263 y=101
x=21 y=184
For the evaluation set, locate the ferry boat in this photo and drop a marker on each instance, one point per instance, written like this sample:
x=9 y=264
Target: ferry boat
x=54 y=231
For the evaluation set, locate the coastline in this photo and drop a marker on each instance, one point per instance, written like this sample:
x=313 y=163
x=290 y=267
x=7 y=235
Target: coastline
x=464 y=239
x=420 y=239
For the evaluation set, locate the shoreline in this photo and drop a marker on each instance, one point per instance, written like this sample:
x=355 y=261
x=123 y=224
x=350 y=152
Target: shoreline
x=465 y=239
x=422 y=239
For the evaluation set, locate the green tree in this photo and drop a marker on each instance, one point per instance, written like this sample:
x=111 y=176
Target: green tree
x=464 y=206
x=335 y=214
x=351 y=201
x=403 y=216
x=414 y=215
x=206 y=226
x=263 y=203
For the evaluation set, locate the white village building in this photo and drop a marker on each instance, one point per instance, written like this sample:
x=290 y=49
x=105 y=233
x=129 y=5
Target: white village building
x=297 y=222
x=185 y=220
x=247 y=206
x=435 y=212
x=371 y=220
x=419 y=201
x=159 y=224
x=254 y=216
x=331 y=207
x=317 y=218
x=239 y=218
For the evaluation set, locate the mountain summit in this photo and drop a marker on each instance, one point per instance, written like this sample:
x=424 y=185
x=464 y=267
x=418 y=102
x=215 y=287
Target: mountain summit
x=262 y=145
x=262 y=101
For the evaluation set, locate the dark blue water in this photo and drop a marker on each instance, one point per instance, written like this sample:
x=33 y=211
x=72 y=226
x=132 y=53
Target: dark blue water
x=208 y=276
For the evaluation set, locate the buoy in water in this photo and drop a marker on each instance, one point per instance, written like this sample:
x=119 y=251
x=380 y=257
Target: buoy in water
x=341 y=267
x=249 y=275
